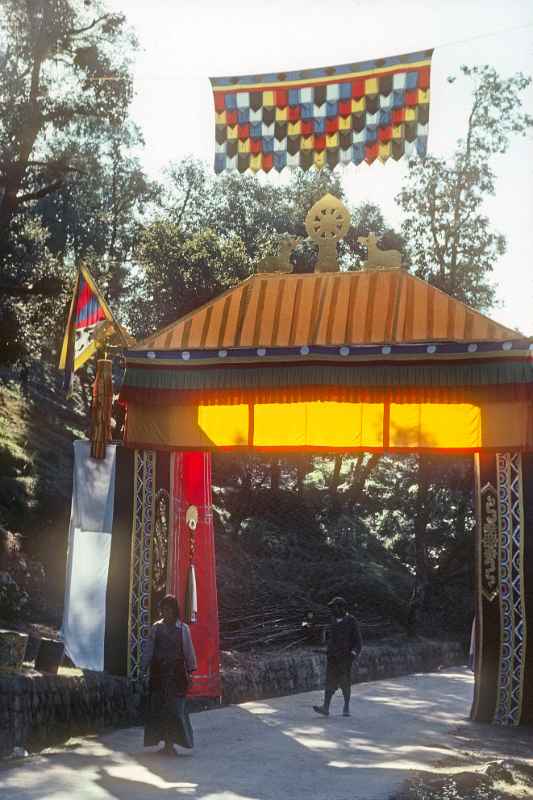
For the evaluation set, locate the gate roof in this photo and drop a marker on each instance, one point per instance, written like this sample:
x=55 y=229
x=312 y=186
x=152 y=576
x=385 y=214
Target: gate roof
x=328 y=309
x=356 y=360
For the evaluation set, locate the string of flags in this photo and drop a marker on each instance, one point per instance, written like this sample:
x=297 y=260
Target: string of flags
x=352 y=113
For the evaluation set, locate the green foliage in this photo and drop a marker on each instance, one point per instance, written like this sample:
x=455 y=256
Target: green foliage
x=22 y=580
x=31 y=323
x=65 y=62
x=301 y=529
x=14 y=600
x=180 y=272
x=210 y=232
x=451 y=242
x=68 y=186
x=95 y=218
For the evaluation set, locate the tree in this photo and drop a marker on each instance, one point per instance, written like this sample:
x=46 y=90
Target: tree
x=242 y=205
x=179 y=272
x=68 y=185
x=451 y=242
x=32 y=313
x=95 y=217
x=240 y=218
x=452 y=245
x=64 y=62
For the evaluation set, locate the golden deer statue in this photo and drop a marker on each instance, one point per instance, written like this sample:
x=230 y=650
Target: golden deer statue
x=379 y=259
x=280 y=262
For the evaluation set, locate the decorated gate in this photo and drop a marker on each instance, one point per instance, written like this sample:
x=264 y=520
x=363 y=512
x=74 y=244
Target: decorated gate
x=376 y=360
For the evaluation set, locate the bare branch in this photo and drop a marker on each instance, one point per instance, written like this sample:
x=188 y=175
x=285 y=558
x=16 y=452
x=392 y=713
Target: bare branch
x=52 y=165
x=93 y=24
x=28 y=291
x=64 y=115
x=46 y=190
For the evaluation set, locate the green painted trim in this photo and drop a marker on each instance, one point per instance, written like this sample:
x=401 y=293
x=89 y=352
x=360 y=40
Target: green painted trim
x=437 y=375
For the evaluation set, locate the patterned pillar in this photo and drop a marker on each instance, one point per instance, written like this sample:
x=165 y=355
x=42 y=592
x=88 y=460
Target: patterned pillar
x=501 y=602
x=139 y=619
x=527 y=489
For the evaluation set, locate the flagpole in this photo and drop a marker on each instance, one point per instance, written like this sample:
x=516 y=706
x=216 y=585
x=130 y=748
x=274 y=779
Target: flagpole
x=66 y=338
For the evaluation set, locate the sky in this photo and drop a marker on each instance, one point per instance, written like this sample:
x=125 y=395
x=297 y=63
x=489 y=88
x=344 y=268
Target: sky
x=183 y=42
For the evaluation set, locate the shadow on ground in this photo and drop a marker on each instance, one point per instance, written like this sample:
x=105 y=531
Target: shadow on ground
x=276 y=749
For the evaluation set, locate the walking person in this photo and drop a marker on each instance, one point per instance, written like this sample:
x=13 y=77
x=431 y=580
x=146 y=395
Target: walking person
x=344 y=643
x=170 y=659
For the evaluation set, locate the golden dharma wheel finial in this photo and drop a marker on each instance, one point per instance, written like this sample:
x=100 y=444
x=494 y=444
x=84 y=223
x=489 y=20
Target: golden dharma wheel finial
x=326 y=223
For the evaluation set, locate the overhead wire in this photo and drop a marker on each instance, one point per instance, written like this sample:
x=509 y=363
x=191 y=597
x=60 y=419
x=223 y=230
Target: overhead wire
x=454 y=43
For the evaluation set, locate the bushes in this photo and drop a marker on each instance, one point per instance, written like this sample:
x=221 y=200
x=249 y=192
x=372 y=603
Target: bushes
x=22 y=581
x=13 y=599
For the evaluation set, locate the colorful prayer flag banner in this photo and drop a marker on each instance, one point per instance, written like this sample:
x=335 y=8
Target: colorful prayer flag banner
x=88 y=310
x=322 y=117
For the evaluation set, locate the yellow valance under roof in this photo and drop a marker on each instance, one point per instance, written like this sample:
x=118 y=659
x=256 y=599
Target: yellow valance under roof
x=330 y=425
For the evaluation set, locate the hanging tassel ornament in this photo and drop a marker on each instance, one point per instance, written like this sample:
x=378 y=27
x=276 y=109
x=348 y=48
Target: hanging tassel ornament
x=101 y=408
x=191 y=596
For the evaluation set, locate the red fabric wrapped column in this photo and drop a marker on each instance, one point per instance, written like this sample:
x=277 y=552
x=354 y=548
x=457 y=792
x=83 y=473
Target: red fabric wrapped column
x=190 y=486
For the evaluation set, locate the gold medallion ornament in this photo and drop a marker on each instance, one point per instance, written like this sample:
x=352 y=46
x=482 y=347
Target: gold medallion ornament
x=327 y=222
x=191 y=517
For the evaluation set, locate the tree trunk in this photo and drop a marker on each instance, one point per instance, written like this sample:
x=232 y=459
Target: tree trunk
x=422 y=571
x=275 y=474
x=303 y=464
x=361 y=474
x=16 y=171
x=335 y=478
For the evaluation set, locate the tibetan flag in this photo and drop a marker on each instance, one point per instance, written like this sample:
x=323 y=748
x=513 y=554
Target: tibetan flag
x=88 y=314
x=353 y=113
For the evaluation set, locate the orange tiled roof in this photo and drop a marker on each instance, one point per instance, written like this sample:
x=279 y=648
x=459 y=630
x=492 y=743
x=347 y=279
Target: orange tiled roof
x=272 y=310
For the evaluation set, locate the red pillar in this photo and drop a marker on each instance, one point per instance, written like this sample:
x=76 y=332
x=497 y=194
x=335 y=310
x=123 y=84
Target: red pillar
x=190 y=486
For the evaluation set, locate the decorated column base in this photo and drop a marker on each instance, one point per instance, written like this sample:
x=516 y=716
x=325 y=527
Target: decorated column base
x=172 y=539
x=504 y=602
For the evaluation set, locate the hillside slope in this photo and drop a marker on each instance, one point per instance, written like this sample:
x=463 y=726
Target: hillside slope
x=279 y=554
x=37 y=428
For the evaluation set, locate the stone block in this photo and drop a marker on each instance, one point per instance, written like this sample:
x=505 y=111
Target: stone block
x=12 y=649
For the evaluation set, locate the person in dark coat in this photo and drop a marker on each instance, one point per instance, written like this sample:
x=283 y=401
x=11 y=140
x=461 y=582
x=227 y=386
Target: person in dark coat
x=170 y=659
x=344 y=643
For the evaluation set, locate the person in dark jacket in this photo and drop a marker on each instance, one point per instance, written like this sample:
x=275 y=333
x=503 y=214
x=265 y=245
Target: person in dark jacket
x=170 y=659
x=344 y=643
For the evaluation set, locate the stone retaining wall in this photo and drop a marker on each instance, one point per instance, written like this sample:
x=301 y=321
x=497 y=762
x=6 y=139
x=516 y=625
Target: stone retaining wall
x=254 y=677
x=39 y=710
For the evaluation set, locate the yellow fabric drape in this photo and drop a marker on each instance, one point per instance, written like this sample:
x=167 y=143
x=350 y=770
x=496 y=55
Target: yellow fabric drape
x=441 y=425
x=318 y=424
x=332 y=424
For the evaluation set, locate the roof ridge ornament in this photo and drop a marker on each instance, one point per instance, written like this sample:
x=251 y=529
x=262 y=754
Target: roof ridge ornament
x=379 y=259
x=327 y=222
x=280 y=262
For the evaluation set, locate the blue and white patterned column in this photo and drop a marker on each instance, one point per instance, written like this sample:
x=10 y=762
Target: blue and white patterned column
x=513 y=628
x=141 y=559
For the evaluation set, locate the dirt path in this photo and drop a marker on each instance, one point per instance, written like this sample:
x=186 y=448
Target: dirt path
x=273 y=749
